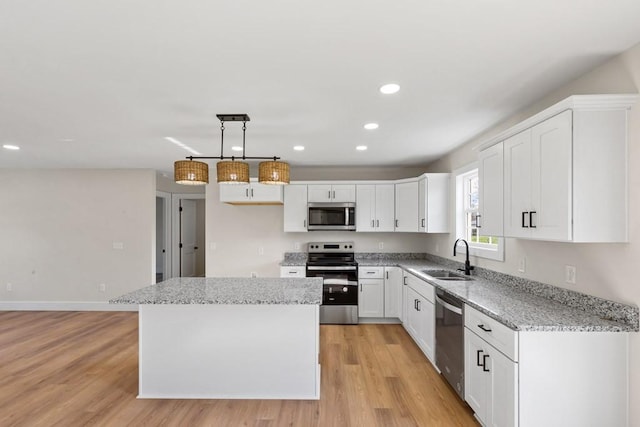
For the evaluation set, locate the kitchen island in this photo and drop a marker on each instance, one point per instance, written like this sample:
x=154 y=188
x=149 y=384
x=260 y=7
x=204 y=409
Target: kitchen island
x=229 y=338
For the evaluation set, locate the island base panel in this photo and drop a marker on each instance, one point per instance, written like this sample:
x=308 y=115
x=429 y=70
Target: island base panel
x=229 y=351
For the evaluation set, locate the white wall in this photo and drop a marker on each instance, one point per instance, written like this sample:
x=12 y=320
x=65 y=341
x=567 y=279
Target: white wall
x=238 y=232
x=605 y=270
x=58 y=228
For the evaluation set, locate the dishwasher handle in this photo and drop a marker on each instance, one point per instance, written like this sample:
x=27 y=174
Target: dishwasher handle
x=448 y=306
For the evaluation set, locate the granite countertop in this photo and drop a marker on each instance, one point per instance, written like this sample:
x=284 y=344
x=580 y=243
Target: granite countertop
x=518 y=303
x=228 y=290
x=518 y=309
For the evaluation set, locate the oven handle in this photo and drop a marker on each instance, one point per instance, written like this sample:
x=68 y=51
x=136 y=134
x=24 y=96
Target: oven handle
x=344 y=282
x=335 y=268
x=448 y=306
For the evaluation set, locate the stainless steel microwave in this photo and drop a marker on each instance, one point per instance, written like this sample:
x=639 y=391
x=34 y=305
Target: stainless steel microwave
x=331 y=216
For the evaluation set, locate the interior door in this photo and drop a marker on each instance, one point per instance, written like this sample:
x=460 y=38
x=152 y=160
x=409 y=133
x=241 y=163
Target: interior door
x=187 y=238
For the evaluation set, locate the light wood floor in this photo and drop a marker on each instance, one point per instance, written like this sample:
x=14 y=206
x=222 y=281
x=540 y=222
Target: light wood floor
x=81 y=368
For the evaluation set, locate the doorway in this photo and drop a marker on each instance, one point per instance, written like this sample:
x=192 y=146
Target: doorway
x=163 y=236
x=188 y=235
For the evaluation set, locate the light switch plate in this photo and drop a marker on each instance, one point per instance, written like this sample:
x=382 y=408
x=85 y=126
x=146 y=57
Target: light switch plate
x=118 y=245
x=570 y=274
x=522 y=265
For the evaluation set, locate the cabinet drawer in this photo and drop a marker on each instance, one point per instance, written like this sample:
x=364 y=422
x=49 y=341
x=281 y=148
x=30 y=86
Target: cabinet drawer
x=495 y=333
x=293 y=271
x=423 y=288
x=370 y=272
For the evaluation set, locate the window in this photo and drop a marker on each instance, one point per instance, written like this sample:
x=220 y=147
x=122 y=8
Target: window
x=467 y=205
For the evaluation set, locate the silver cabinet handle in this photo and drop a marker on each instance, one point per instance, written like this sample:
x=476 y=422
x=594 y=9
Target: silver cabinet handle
x=378 y=223
x=372 y=224
x=422 y=222
x=304 y=223
x=329 y=194
x=246 y=192
x=334 y=194
x=396 y=223
x=387 y=275
x=252 y=192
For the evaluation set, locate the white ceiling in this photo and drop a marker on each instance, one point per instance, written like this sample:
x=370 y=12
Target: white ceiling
x=101 y=83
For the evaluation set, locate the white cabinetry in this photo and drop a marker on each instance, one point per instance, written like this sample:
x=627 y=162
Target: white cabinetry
x=420 y=315
x=371 y=297
x=406 y=212
x=491 y=204
x=538 y=181
x=565 y=172
x=393 y=292
x=433 y=203
x=253 y=193
x=375 y=207
x=540 y=378
x=339 y=193
x=295 y=208
x=293 y=271
x=491 y=378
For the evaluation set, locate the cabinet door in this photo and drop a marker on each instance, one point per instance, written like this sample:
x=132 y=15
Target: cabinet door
x=422 y=204
x=475 y=378
x=343 y=193
x=407 y=207
x=365 y=208
x=371 y=298
x=426 y=329
x=319 y=193
x=263 y=193
x=491 y=204
x=393 y=292
x=295 y=208
x=234 y=192
x=517 y=184
x=551 y=184
x=502 y=390
x=385 y=207
x=413 y=315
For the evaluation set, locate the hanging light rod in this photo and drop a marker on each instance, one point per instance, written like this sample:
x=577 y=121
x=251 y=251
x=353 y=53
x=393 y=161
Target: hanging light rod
x=197 y=173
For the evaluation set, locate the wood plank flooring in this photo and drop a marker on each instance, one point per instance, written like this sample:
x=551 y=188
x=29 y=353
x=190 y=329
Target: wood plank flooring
x=81 y=368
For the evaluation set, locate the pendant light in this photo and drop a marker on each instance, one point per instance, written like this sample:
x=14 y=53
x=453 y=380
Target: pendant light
x=229 y=170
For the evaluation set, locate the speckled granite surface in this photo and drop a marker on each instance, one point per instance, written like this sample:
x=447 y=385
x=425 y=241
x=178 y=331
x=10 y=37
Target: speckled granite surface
x=294 y=259
x=223 y=290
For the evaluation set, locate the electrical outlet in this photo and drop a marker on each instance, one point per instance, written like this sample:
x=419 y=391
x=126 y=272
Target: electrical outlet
x=254 y=274
x=296 y=246
x=260 y=250
x=380 y=245
x=102 y=287
x=522 y=265
x=118 y=245
x=570 y=274
x=9 y=287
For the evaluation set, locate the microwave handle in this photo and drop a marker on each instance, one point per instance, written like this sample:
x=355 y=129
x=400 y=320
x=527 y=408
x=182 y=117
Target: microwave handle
x=346 y=216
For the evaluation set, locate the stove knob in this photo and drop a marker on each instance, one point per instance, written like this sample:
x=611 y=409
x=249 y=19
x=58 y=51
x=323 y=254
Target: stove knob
x=345 y=289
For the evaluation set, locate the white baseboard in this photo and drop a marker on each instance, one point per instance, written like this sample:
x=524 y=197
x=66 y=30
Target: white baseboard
x=65 y=306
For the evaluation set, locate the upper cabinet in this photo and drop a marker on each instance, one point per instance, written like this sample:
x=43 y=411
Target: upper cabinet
x=375 y=207
x=339 y=193
x=406 y=207
x=253 y=193
x=295 y=208
x=433 y=203
x=490 y=191
x=565 y=173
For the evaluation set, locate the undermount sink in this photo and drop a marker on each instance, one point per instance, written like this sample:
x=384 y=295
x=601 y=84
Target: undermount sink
x=445 y=275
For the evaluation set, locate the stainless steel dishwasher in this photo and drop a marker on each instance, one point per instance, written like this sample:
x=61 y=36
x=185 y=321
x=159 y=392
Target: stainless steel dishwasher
x=450 y=339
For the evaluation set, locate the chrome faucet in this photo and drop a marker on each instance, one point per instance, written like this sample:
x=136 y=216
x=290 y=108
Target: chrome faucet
x=467 y=265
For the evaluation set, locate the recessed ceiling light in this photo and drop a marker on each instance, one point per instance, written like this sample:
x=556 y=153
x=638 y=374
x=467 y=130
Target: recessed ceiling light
x=371 y=126
x=10 y=147
x=361 y=147
x=181 y=145
x=389 y=88
x=298 y=147
x=236 y=148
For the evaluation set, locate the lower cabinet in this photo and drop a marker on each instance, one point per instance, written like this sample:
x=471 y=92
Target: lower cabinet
x=380 y=292
x=419 y=316
x=490 y=382
x=293 y=271
x=544 y=378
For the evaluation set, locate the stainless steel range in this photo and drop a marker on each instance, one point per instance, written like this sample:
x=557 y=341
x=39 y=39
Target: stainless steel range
x=335 y=262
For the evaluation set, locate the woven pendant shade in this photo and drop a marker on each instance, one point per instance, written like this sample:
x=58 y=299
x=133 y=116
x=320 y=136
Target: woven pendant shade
x=190 y=172
x=276 y=173
x=233 y=172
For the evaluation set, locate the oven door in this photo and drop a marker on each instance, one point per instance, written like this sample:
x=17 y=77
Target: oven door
x=339 y=292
